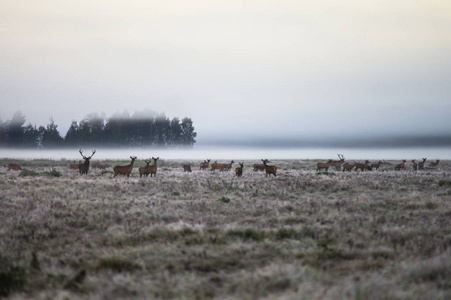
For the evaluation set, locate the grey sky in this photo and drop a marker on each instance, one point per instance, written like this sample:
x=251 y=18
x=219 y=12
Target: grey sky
x=239 y=69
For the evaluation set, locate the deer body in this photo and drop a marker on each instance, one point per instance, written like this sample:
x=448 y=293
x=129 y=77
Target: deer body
x=337 y=163
x=269 y=169
x=15 y=167
x=376 y=165
x=186 y=168
x=259 y=167
x=153 y=168
x=125 y=170
x=348 y=167
x=361 y=166
x=324 y=166
x=227 y=166
x=144 y=171
x=239 y=170
x=401 y=165
x=421 y=164
x=434 y=164
x=215 y=166
x=204 y=165
x=83 y=168
x=414 y=165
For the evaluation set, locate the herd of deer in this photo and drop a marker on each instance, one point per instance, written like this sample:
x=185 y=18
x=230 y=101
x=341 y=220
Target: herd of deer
x=366 y=166
x=83 y=167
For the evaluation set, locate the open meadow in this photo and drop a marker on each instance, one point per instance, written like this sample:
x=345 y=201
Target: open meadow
x=304 y=234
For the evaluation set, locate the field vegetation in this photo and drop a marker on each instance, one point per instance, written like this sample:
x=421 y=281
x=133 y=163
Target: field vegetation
x=301 y=235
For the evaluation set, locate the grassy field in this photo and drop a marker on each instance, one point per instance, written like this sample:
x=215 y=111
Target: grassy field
x=199 y=235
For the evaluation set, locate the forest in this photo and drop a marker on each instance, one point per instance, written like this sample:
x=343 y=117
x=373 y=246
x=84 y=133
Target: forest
x=141 y=129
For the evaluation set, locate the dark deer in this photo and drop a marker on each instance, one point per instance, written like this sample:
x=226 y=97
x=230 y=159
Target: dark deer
x=414 y=165
x=186 y=168
x=144 y=171
x=124 y=170
x=337 y=163
x=269 y=169
x=239 y=170
x=153 y=168
x=348 y=167
x=204 y=165
x=324 y=166
x=227 y=167
x=361 y=166
x=401 y=165
x=376 y=165
x=259 y=167
x=15 y=167
x=84 y=167
x=434 y=164
x=421 y=164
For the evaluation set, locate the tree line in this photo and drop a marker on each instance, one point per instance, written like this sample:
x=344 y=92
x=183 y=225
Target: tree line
x=142 y=129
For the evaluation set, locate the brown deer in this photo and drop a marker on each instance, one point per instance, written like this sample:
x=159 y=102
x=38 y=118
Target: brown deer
x=186 y=168
x=239 y=170
x=363 y=166
x=348 y=167
x=414 y=165
x=337 y=163
x=259 y=167
x=269 y=169
x=204 y=165
x=74 y=166
x=401 y=165
x=83 y=168
x=376 y=165
x=144 y=171
x=98 y=165
x=153 y=168
x=421 y=164
x=14 y=167
x=227 y=167
x=124 y=170
x=324 y=166
x=434 y=164
x=215 y=166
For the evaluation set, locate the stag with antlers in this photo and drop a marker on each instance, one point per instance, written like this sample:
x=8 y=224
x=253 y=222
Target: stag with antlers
x=84 y=167
x=337 y=163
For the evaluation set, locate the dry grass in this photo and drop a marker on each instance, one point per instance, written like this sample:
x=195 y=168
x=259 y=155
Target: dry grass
x=300 y=235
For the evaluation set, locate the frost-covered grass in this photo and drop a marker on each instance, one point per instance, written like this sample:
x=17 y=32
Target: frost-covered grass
x=300 y=235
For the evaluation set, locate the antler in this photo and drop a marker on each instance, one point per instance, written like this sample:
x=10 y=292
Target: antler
x=341 y=156
x=93 y=152
x=81 y=152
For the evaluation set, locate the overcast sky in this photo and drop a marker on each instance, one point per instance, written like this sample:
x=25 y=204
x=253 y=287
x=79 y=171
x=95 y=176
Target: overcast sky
x=240 y=69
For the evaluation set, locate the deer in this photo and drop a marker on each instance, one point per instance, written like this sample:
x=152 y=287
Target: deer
x=269 y=169
x=227 y=166
x=414 y=165
x=363 y=166
x=186 y=168
x=401 y=165
x=125 y=170
x=153 y=168
x=144 y=171
x=204 y=165
x=348 y=167
x=239 y=170
x=215 y=166
x=376 y=165
x=83 y=168
x=421 y=164
x=74 y=166
x=98 y=165
x=14 y=167
x=337 y=163
x=324 y=166
x=259 y=167
x=434 y=164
